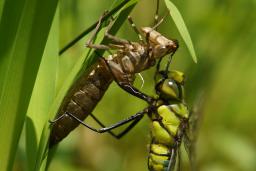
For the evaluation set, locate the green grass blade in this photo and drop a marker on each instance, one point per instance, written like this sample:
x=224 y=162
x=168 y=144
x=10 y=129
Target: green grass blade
x=178 y=20
x=24 y=29
x=43 y=95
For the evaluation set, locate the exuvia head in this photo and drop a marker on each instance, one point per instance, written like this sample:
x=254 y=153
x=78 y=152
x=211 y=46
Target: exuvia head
x=161 y=46
x=170 y=85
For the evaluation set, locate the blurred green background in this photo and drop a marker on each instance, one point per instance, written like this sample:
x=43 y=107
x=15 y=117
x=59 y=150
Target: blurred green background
x=223 y=33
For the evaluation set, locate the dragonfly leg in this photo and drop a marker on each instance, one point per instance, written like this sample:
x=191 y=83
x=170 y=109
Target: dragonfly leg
x=117 y=136
x=157 y=69
x=93 y=46
x=134 y=91
x=116 y=125
x=114 y=38
x=109 y=36
x=124 y=132
x=89 y=42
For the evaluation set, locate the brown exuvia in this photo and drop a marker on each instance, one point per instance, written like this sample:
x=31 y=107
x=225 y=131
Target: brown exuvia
x=130 y=58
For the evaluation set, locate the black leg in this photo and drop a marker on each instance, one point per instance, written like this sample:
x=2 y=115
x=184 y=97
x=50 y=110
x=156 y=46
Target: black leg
x=168 y=63
x=124 y=132
x=106 y=129
x=135 y=92
x=102 y=125
x=158 y=64
x=157 y=69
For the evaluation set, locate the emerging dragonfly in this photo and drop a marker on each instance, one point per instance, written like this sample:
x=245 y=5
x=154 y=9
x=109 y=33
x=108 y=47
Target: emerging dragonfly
x=129 y=58
x=169 y=117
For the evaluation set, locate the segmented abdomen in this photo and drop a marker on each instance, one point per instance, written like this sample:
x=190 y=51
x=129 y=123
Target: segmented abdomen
x=164 y=132
x=159 y=157
x=81 y=100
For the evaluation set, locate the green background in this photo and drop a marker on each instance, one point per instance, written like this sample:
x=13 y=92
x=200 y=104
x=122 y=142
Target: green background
x=223 y=33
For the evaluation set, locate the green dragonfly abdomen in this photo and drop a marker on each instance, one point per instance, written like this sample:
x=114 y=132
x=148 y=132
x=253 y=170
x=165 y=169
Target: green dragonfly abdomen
x=163 y=132
x=159 y=157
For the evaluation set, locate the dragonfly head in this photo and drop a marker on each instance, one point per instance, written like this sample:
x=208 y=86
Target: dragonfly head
x=170 y=85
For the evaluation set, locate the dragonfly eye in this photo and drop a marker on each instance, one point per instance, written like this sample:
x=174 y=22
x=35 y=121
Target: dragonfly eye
x=168 y=89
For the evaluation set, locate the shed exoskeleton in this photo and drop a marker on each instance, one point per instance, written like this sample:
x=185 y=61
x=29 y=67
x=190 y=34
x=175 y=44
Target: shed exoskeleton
x=129 y=58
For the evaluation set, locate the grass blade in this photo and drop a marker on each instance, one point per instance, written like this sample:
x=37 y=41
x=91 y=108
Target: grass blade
x=43 y=95
x=178 y=20
x=23 y=31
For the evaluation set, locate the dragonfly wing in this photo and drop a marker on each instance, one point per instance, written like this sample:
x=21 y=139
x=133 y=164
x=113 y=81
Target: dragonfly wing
x=172 y=160
x=179 y=162
x=189 y=148
x=191 y=134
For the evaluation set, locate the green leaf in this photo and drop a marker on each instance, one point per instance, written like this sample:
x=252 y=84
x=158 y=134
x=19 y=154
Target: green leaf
x=178 y=20
x=24 y=29
x=42 y=97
